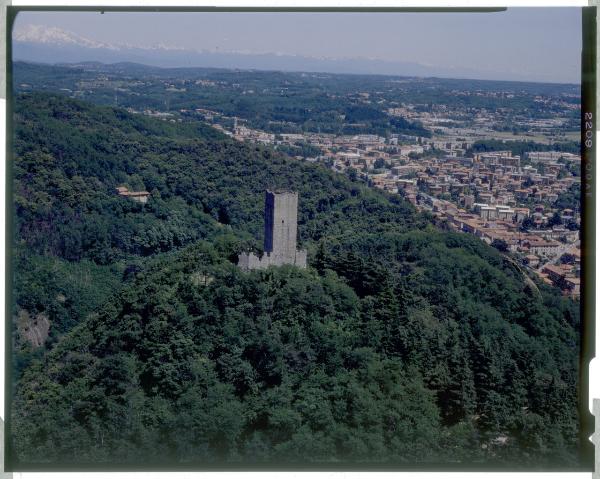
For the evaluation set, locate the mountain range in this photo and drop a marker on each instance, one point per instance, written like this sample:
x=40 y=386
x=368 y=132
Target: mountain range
x=39 y=43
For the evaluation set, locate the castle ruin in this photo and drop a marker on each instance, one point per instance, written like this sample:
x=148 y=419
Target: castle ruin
x=281 y=228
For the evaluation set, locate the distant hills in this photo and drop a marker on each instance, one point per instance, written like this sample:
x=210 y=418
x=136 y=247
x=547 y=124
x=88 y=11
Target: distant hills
x=39 y=43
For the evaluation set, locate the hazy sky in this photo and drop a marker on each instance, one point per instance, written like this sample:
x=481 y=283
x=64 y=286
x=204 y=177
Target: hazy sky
x=537 y=42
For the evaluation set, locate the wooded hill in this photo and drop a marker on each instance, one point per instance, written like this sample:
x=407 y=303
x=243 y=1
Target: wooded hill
x=401 y=344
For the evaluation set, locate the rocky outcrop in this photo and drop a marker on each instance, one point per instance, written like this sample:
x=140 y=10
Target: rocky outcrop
x=33 y=329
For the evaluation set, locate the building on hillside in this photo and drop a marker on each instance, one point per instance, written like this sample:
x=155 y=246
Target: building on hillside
x=573 y=286
x=532 y=260
x=140 y=196
x=540 y=247
x=281 y=228
x=563 y=277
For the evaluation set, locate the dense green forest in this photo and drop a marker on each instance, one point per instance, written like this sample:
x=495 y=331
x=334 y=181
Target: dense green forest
x=518 y=147
x=401 y=344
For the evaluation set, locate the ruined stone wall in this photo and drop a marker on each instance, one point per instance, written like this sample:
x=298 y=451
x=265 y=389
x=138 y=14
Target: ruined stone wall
x=249 y=261
x=301 y=258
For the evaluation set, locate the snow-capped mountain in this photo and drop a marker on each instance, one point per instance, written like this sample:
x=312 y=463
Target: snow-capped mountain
x=43 y=34
x=56 y=36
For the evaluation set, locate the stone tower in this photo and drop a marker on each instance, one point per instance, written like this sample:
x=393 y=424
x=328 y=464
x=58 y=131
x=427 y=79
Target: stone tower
x=281 y=224
x=281 y=230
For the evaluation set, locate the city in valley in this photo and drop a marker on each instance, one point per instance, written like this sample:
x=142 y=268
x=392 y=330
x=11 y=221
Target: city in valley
x=526 y=204
x=509 y=201
x=498 y=160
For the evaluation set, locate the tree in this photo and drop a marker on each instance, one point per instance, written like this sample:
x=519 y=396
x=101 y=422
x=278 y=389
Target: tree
x=352 y=174
x=555 y=220
x=379 y=163
x=500 y=245
x=527 y=224
x=572 y=225
x=567 y=258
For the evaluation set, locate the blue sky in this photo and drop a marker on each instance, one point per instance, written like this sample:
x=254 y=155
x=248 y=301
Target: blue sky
x=543 y=44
